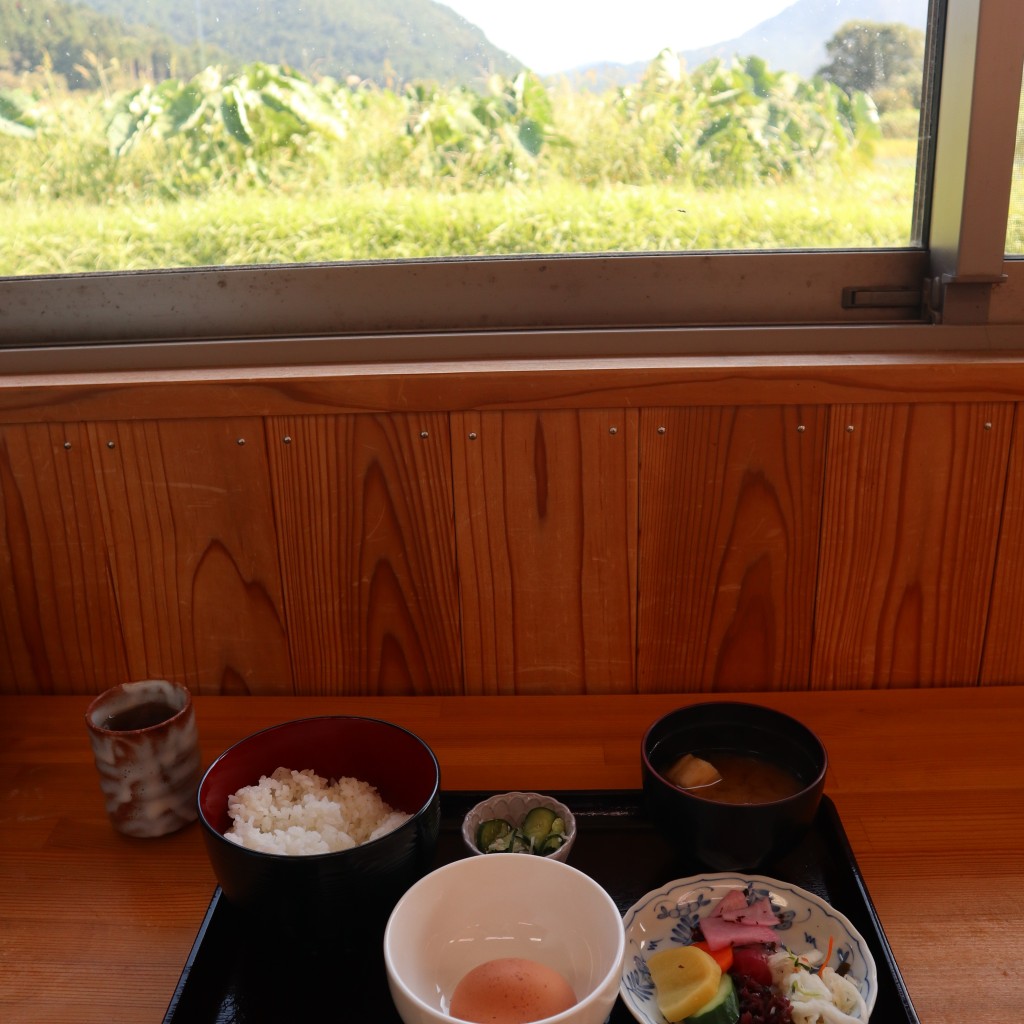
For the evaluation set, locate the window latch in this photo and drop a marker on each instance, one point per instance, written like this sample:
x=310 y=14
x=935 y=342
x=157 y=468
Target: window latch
x=882 y=298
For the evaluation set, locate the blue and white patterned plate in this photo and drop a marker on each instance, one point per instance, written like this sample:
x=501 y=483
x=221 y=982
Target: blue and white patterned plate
x=669 y=915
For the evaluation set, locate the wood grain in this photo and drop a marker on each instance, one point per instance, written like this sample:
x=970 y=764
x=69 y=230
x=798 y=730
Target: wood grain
x=362 y=557
x=913 y=497
x=147 y=550
x=58 y=605
x=934 y=824
x=188 y=515
x=730 y=499
x=365 y=528
x=427 y=384
x=1003 y=660
x=546 y=527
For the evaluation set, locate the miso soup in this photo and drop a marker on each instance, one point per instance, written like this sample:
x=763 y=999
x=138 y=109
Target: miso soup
x=733 y=778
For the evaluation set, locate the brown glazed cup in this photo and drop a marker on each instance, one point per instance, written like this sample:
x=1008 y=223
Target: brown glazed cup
x=146 y=748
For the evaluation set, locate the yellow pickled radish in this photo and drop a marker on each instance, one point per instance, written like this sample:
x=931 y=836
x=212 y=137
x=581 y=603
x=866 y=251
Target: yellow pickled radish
x=685 y=979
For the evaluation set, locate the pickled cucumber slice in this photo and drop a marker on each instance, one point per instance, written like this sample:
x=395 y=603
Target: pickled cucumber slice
x=494 y=835
x=537 y=825
x=550 y=844
x=542 y=832
x=724 y=1007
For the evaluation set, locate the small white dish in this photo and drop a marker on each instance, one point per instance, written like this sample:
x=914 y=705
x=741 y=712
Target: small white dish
x=514 y=807
x=668 y=916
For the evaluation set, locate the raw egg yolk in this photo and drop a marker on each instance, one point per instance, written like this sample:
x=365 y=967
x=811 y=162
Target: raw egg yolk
x=511 y=990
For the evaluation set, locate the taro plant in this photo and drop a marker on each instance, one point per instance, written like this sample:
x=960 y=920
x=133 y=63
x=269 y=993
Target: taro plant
x=739 y=123
x=228 y=127
x=16 y=117
x=480 y=140
x=773 y=125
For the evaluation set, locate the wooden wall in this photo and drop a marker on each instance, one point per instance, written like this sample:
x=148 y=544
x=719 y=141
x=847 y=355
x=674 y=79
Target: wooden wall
x=707 y=525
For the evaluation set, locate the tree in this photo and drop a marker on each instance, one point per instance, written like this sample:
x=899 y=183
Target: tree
x=74 y=42
x=883 y=60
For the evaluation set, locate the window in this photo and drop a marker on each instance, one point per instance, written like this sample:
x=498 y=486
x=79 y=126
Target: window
x=1015 y=221
x=270 y=265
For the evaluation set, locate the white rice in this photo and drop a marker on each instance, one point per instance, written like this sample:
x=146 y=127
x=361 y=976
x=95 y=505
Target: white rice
x=298 y=812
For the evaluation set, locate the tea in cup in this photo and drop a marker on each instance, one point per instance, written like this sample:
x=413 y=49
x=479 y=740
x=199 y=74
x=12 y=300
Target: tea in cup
x=146 y=748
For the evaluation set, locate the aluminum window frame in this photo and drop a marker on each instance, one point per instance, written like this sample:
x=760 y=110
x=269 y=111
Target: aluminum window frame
x=602 y=305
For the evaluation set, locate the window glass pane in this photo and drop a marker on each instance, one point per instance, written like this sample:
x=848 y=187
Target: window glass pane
x=186 y=133
x=1015 y=222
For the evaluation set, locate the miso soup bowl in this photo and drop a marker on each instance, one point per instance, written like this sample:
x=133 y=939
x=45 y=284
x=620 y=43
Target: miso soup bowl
x=722 y=836
x=343 y=897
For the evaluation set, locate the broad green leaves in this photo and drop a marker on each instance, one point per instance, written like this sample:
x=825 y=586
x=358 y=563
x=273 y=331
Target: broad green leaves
x=261 y=105
x=738 y=123
x=16 y=118
x=482 y=140
x=269 y=127
x=227 y=127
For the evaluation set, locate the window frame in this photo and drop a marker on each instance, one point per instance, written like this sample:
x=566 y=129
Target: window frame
x=976 y=136
x=580 y=306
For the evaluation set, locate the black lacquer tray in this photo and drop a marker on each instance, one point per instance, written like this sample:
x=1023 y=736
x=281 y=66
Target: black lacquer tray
x=235 y=975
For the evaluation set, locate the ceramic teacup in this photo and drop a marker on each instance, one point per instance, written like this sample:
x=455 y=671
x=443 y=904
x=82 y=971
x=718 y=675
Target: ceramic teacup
x=146 y=748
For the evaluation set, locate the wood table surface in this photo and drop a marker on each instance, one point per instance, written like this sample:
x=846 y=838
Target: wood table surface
x=929 y=785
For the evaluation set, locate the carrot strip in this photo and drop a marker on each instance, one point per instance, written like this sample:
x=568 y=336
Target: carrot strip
x=723 y=957
x=828 y=956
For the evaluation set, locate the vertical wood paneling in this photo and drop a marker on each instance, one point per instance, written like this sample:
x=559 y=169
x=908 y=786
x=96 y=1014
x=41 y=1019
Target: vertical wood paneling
x=364 y=515
x=561 y=550
x=1003 y=661
x=189 y=521
x=59 y=624
x=546 y=526
x=912 y=503
x=729 y=503
x=148 y=551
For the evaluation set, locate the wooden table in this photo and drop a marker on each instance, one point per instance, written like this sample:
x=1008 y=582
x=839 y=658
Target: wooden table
x=929 y=783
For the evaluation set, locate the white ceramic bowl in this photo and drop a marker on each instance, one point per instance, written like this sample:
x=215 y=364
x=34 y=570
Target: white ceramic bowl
x=514 y=807
x=668 y=915
x=482 y=908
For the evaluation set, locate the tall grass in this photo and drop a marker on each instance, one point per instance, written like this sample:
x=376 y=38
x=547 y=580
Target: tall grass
x=369 y=223
x=405 y=178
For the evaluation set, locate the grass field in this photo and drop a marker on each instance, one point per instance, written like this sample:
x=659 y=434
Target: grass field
x=443 y=175
x=867 y=209
x=617 y=173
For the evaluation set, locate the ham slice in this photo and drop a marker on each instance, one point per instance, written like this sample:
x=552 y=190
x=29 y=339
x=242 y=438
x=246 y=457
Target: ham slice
x=719 y=933
x=732 y=904
x=759 y=912
x=733 y=923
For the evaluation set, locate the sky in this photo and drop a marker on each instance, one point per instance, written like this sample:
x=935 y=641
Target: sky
x=557 y=35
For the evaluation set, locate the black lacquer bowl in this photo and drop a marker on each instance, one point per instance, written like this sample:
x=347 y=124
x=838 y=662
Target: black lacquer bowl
x=341 y=898
x=726 y=836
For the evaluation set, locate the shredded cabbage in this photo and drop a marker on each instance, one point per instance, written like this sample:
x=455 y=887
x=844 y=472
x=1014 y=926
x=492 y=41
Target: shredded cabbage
x=827 y=998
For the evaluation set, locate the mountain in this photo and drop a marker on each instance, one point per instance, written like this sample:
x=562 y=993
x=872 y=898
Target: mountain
x=793 y=40
x=388 y=41
x=74 y=41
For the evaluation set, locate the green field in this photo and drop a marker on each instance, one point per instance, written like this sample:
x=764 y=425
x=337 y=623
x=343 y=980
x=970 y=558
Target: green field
x=369 y=223
x=273 y=169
